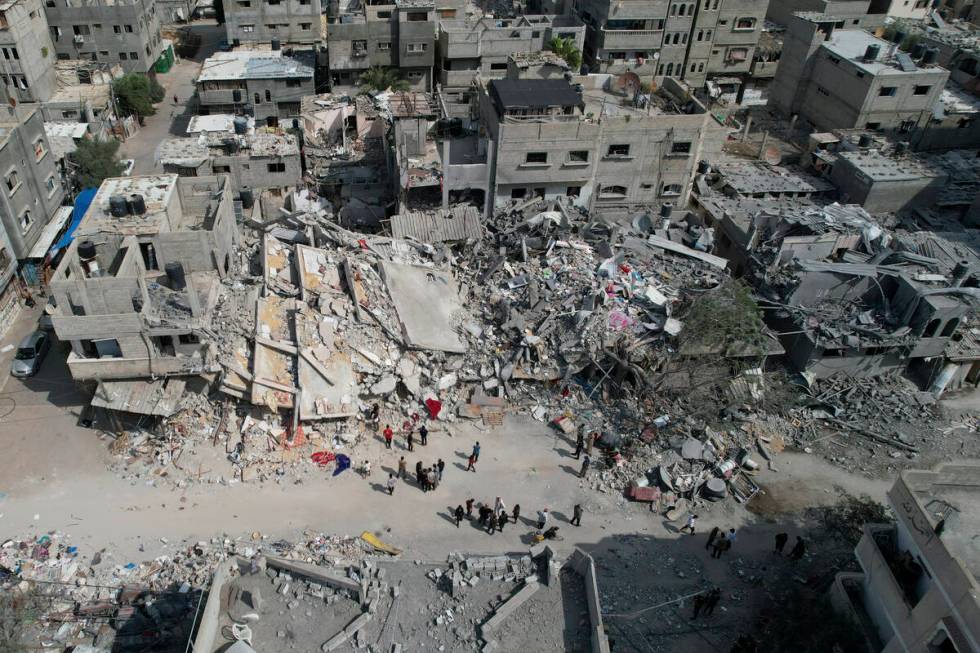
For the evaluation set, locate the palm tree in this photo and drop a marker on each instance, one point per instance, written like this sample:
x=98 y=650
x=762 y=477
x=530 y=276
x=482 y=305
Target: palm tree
x=565 y=48
x=380 y=78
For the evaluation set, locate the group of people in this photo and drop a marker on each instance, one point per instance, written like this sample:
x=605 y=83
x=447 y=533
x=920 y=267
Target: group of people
x=705 y=602
x=796 y=552
x=492 y=518
x=427 y=478
x=719 y=542
x=409 y=429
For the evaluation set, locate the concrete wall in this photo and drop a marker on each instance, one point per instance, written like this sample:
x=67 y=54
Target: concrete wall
x=27 y=53
x=38 y=190
x=276 y=98
x=113 y=31
x=881 y=196
x=295 y=21
x=584 y=566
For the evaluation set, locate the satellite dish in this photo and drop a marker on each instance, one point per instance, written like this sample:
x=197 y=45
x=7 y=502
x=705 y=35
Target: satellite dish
x=772 y=156
x=626 y=84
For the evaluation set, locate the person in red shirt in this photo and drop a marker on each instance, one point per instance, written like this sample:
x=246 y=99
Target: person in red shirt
x=389 y=434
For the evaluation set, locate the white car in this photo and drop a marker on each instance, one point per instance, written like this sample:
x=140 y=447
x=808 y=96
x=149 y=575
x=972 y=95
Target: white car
x=127 y=165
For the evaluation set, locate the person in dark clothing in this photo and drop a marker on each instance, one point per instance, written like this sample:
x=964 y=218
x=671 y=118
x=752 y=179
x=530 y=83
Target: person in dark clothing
x=780 y=542
x=719 y=546
x=493 y=522
x=441 y=465
x=502 y=521
x=411 y=441
x=458 y=514
x=484 y=514
x=418 y=473
x=711 y=537
x=470 y=464
x=579 y=445
x=798 y=549
x=711 y=601
x=401 y=467
x=374 y=413
x=585 y=466
x=517 y=512
x=423 y=435
x=469 y=508
x=577 y=514
x=698 y=604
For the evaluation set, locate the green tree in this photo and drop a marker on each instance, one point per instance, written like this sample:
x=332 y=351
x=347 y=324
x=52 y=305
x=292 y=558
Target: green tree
x=565 y=48
x=95 y=161
x=137 y=94
x=380 y=78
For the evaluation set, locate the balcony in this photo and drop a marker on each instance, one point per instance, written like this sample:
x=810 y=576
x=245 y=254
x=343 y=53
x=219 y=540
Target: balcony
x=121 y=368
x=892 y=576
x=631 y=39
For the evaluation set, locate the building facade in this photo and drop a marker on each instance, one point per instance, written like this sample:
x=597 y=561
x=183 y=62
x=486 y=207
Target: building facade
x=27 y=54
x=691 y=41
x=296 y=22
x=125 y=32
x=399 y=35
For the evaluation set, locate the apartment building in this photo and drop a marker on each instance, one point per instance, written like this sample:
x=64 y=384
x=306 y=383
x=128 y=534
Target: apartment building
x=266 y=84
x=27 y=54
x=483 y=46
x=589 y=139
x=855 y=14
x=918 y=591
x=294 y=22
x=914 y=9
x=136 y=289
x=109 y=31
x=691 y=41
x=840 y=78
x=175 y=11
x=400 y=34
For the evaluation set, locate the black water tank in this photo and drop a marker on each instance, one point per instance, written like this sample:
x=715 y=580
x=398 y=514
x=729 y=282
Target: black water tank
x=901 y=147
x=241 y=125
x=871 y=54
x=898 y=37
x=175 y=272
x=865 y=140
x=247 y=198
x=703 y=167
x=117 y=206
x=86 y=250
x=931 y=57
x=137 y=205
x=276 y=45
x=666 y=209
x=236 y=95
x=918 y=50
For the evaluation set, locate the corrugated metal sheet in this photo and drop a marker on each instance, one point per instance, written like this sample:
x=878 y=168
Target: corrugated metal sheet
x=440 y=226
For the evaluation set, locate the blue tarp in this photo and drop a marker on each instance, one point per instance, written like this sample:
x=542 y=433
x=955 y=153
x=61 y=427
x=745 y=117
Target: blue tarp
x=82 y=202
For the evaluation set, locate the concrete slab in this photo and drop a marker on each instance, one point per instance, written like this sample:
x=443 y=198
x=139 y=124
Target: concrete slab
x=428 y=306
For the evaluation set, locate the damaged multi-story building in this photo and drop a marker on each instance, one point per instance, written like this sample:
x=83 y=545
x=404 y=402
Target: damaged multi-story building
x=691 y=41
x=291 y=22
x=598 y=139
x=137 y=287
x=83 y=93
x=27 y=64
x=265 y=84
x=258 y=159
x=398 y=34
x=845 y=78
x=124 y=31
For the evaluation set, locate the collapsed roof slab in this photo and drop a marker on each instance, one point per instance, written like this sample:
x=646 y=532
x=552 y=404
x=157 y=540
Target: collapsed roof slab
x=427 y=303
x=328 y=387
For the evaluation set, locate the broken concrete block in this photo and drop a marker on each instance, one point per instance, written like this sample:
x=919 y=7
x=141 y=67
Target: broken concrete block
x=385 y=386
x=447 y=381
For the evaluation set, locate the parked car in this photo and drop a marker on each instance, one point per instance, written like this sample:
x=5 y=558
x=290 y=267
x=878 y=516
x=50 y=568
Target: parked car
x=30 y=354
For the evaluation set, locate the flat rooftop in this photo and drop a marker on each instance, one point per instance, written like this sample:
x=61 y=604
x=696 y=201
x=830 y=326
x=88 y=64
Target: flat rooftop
x=256 y=64
x=879 y=166
x=157 y=192
x=216 y=122
x=852 y=44
x=510 y=94
x=748 y=178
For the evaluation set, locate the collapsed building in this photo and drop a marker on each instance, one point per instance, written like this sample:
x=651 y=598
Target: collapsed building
x=137 y=288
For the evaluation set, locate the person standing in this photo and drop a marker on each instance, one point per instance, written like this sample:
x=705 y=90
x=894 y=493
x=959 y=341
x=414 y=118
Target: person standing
x=458 y=514
x=432 y=479
x=502 y=521
x=798 y=549
x=691 y=521
x=410 y=438
x=401 y=467
x=176 y=100
x=494 y=521
x=577 y=514
x=441 y=465
x=543 y=516
x=579 y=445
x=585 y=466
x=418 y=473
x=389 y=434
x=423 y=435
x=484 y=514
x=718 y=546
x=476 y=452
x=732 y=536
x=711 y=601
x=780 y=542
x=374 y=414
x=698 y=604
x=391 y=484
x=498 y=506
x=517 y=512
x=711 y=537
x=471 y=463
x=469 y=508
x=590 y=442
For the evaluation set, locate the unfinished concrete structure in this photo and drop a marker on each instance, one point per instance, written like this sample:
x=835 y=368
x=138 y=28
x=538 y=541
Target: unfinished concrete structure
x=483 y=45
x=692 y=41
x=958 y=47
x=917 y=591
x=295 y=22
x=27 y=62
x=835 y=78
x=83 y=93
x=108 y=31
x=398 y=34
x=137 y=287
x=259 y=160
x=604 y=145
x=266 y=84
